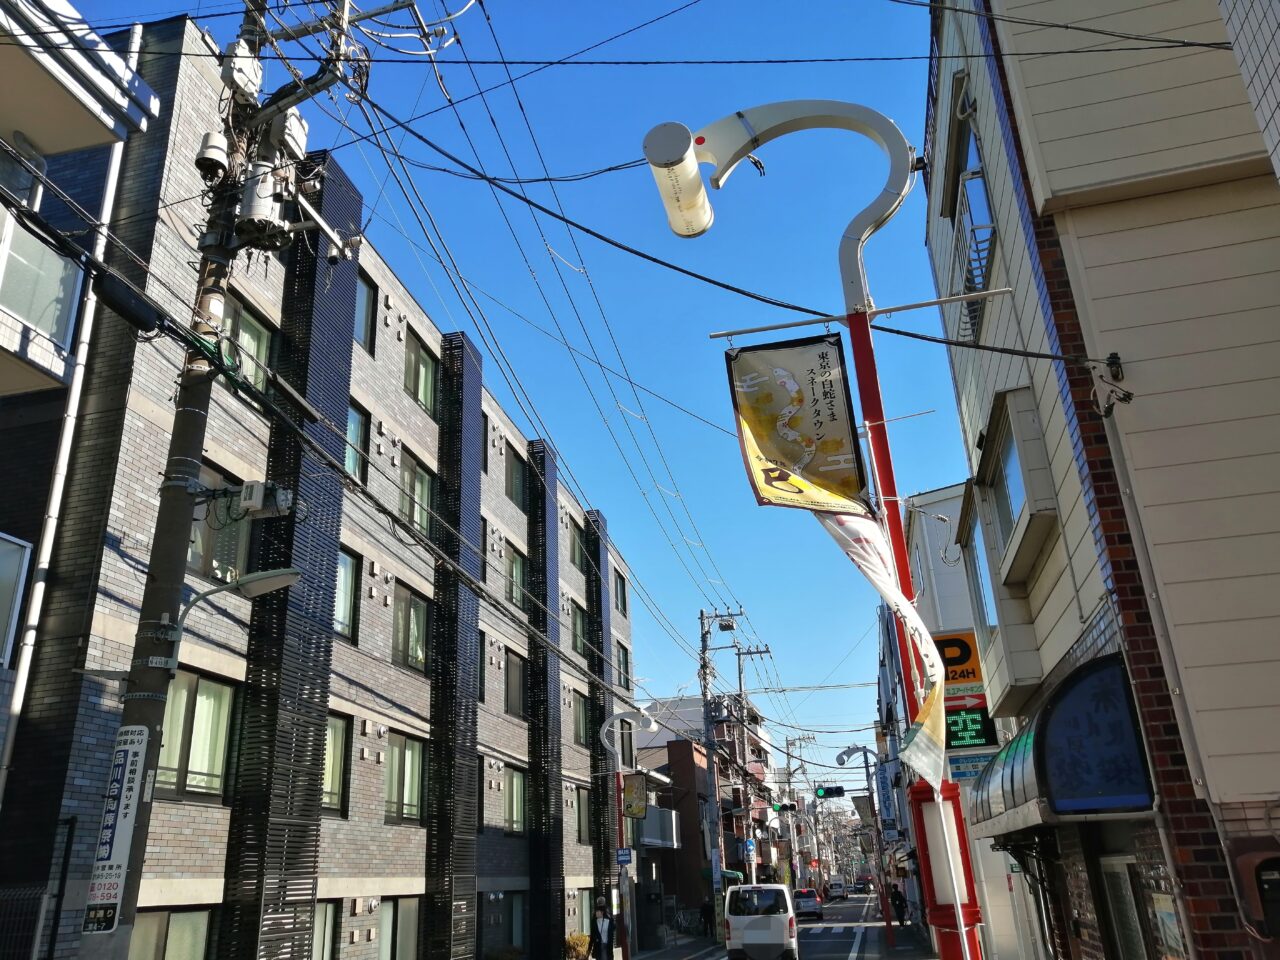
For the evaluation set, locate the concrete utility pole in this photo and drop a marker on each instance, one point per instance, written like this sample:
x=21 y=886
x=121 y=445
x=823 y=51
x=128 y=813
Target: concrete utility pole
x=706 y=673
x=249 y=169
x=747 y=786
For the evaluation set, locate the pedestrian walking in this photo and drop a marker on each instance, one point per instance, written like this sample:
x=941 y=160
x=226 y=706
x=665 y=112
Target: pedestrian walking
x=600 y=942
x=899 y=904
x=708 y=917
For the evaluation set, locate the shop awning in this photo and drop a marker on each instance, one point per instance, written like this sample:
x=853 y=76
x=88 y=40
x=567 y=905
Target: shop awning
x=728 y=876
x=1079 y=757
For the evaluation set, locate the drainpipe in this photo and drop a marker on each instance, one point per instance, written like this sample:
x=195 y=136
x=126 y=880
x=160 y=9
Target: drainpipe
x=66 y=437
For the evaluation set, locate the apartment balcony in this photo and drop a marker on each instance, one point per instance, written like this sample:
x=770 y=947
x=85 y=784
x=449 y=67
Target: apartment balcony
x=660 y=828
x=39 y=296
x=65 y=88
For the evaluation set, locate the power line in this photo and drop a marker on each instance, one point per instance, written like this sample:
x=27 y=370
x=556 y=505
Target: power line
x=1060 y=25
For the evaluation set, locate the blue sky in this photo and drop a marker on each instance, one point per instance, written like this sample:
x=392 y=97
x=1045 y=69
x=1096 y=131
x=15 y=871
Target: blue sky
x=776 y=234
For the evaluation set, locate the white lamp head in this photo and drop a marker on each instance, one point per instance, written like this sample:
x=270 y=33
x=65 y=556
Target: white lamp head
x=265 y=581
x=669 y=149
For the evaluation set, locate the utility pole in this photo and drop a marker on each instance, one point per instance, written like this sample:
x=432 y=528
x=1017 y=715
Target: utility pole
x=747 y=786
x=706 y=673
x=249 y=168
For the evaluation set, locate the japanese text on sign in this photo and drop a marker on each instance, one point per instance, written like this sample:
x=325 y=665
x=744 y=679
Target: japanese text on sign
x=115 y=834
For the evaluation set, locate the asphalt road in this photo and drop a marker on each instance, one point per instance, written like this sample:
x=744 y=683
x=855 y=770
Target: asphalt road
x=841 y=933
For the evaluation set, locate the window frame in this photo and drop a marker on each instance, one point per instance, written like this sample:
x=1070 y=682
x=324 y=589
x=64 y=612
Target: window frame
x=512 y=827
x=236 y=312
x=973 y=257
x=352 y=634
x=9 y=615
x=482 y=668
x=516 y=478
x=344 y=775
x=627 y=744
x=620 y=592
x=371 y=313
x=357 y=449
x=395 y=905
x=577 y=546
x=581 y=719
x=328 y=941
x=484 y=442
x=419 y=360
x=583 y=797
x=512 y=657
x=403 y=740
x=624 y=666
x=484 y=548
x=168 y=913
x=517 y=592
x=578 y=612
x=412 y=510
x=181 y=789
x=399 y=643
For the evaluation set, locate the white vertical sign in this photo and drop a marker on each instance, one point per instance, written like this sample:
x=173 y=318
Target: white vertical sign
x=115 y=835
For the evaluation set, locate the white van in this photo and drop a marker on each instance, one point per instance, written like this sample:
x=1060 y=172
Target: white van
x=760 y=923
x=836 y=889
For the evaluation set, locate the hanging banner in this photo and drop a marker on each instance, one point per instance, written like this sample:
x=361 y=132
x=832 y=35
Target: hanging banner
x=795 y=424
x=635 y=796
x=862 y=806
x=863 y=542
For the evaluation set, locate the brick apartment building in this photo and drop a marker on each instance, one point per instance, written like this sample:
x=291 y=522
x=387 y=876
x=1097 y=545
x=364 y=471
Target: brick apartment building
x=460 y=804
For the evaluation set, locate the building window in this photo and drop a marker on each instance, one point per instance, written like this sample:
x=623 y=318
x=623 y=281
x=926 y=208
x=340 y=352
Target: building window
x=619 y=592
x=417 y=493
x=483 y=547
x=584 y=821
x=404 y=779
x=967 y=203
x=398 y=929
x=577 y=546
x=366 y=319
x=581 y=722
x=357 y=453
x=219 y=533
x=517 y=701
x=517 y=577
x=346 y=600
x=624 y=667
x=1007 y=489
x=193 y=747
x=410 y=642
x=324 y=930
x=981 y=584
x=579 y=629
x=421 y=373
x=515 y=904
x=585 y=910
x=517 y=479
x=481 y=668
x=170 y=935
x=14 y=555
x=484 y=442
x=333 y=795
x=252 y=341
x=513 y=788
x=626 y=744
x=38 y=287
x=481 y=789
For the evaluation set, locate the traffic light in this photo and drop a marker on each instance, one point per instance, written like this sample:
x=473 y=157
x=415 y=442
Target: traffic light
x=825 y=793
x=784 y=808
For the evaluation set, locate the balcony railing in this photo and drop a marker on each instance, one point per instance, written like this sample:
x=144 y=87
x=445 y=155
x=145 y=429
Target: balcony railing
x=38 y=287
x=975 y=241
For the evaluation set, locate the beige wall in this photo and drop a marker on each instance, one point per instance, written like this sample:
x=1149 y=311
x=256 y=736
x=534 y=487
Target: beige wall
x=1106 y=125
x=1056 y=598
x=1186 y=287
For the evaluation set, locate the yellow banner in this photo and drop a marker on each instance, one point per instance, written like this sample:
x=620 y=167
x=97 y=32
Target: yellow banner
x=635 y=796
x=795 y=424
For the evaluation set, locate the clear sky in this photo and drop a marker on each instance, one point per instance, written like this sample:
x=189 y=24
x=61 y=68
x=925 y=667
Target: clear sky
x=777 y=235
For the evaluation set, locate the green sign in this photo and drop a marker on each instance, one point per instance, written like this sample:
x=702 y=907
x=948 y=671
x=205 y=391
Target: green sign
x=970 y=728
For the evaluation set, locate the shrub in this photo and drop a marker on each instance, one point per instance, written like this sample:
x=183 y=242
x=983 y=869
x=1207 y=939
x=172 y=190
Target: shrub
x=575 y=946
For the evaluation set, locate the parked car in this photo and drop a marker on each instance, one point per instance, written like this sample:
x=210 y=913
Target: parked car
x=836 y=889
x=808 y=903
x=861 y=886
x=760 y=923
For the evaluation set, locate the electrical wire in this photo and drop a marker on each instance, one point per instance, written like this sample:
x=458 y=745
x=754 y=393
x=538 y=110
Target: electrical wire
x=1059 y=25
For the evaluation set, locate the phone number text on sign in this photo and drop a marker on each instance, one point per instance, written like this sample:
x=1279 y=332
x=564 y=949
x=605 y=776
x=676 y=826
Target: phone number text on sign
x=115 y=834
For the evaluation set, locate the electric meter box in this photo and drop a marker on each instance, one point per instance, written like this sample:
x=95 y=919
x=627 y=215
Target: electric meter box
x=241 y=72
